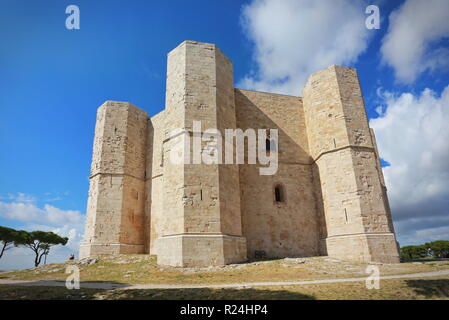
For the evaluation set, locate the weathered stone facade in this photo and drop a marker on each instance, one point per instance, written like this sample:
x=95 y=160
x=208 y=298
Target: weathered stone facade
x=334 y=199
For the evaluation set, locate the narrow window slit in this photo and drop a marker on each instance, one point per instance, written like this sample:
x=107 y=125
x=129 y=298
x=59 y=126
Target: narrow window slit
x=278 y=194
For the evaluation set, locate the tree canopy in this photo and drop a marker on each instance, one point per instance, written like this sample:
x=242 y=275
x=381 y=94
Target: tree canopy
x=438 y=249
x=413 y=252
x=41 y=242
x=38 y=241
x=7 y=237
x=434 y=249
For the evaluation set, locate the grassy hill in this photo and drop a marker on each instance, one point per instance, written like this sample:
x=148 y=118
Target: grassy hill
x=142 y=269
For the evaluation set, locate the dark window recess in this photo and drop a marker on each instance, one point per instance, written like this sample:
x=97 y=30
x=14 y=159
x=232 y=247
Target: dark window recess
x=278 y=194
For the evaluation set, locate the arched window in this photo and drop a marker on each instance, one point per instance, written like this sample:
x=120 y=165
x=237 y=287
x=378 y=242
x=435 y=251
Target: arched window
x=279 y=193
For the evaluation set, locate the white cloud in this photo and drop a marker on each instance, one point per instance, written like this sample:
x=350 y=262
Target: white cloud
x=295 y=38
x=413 y=136
x=29 y=212
x=21 y=197
x=70 y=231
x=66 y=223
x=433 y=234
x=422 y=228
x=411 y=44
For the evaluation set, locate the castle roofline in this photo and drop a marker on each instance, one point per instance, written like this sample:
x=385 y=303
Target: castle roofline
x=212 y=45
x=267 y=92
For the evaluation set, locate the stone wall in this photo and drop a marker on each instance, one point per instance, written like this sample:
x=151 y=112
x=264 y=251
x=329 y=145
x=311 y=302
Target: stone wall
x=288 y=228
x=334 y=198
x=352 y=190
x=155 y=220
x=201 y=201
x=115 y=211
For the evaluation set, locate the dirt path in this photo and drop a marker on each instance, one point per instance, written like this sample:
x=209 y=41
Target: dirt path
x=112 y=285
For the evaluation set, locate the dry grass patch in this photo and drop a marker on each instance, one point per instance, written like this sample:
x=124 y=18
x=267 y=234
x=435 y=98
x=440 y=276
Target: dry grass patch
x=141 y=269
x=434 y=288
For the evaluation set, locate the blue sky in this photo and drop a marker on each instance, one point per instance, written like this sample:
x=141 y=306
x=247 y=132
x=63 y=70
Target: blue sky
x=53 y=79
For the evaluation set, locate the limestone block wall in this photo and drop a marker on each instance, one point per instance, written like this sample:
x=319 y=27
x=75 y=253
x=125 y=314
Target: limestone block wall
x=201 y=201
x=115 y=211
x=351 y=187
x=155 y=222
x=228 y=174
x=382 y=183
x=289 y=228
x=173 y=173
x=196 y=214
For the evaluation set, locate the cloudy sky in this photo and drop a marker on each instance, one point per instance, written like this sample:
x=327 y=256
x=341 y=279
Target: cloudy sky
x=53 y=79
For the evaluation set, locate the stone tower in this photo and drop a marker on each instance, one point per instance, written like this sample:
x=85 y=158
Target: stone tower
x=115 y=208
x=354 y=202
x=202 y=201
x=192 y=213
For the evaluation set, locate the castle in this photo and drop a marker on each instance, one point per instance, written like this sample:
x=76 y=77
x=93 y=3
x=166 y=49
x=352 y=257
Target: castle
x=327 y=197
